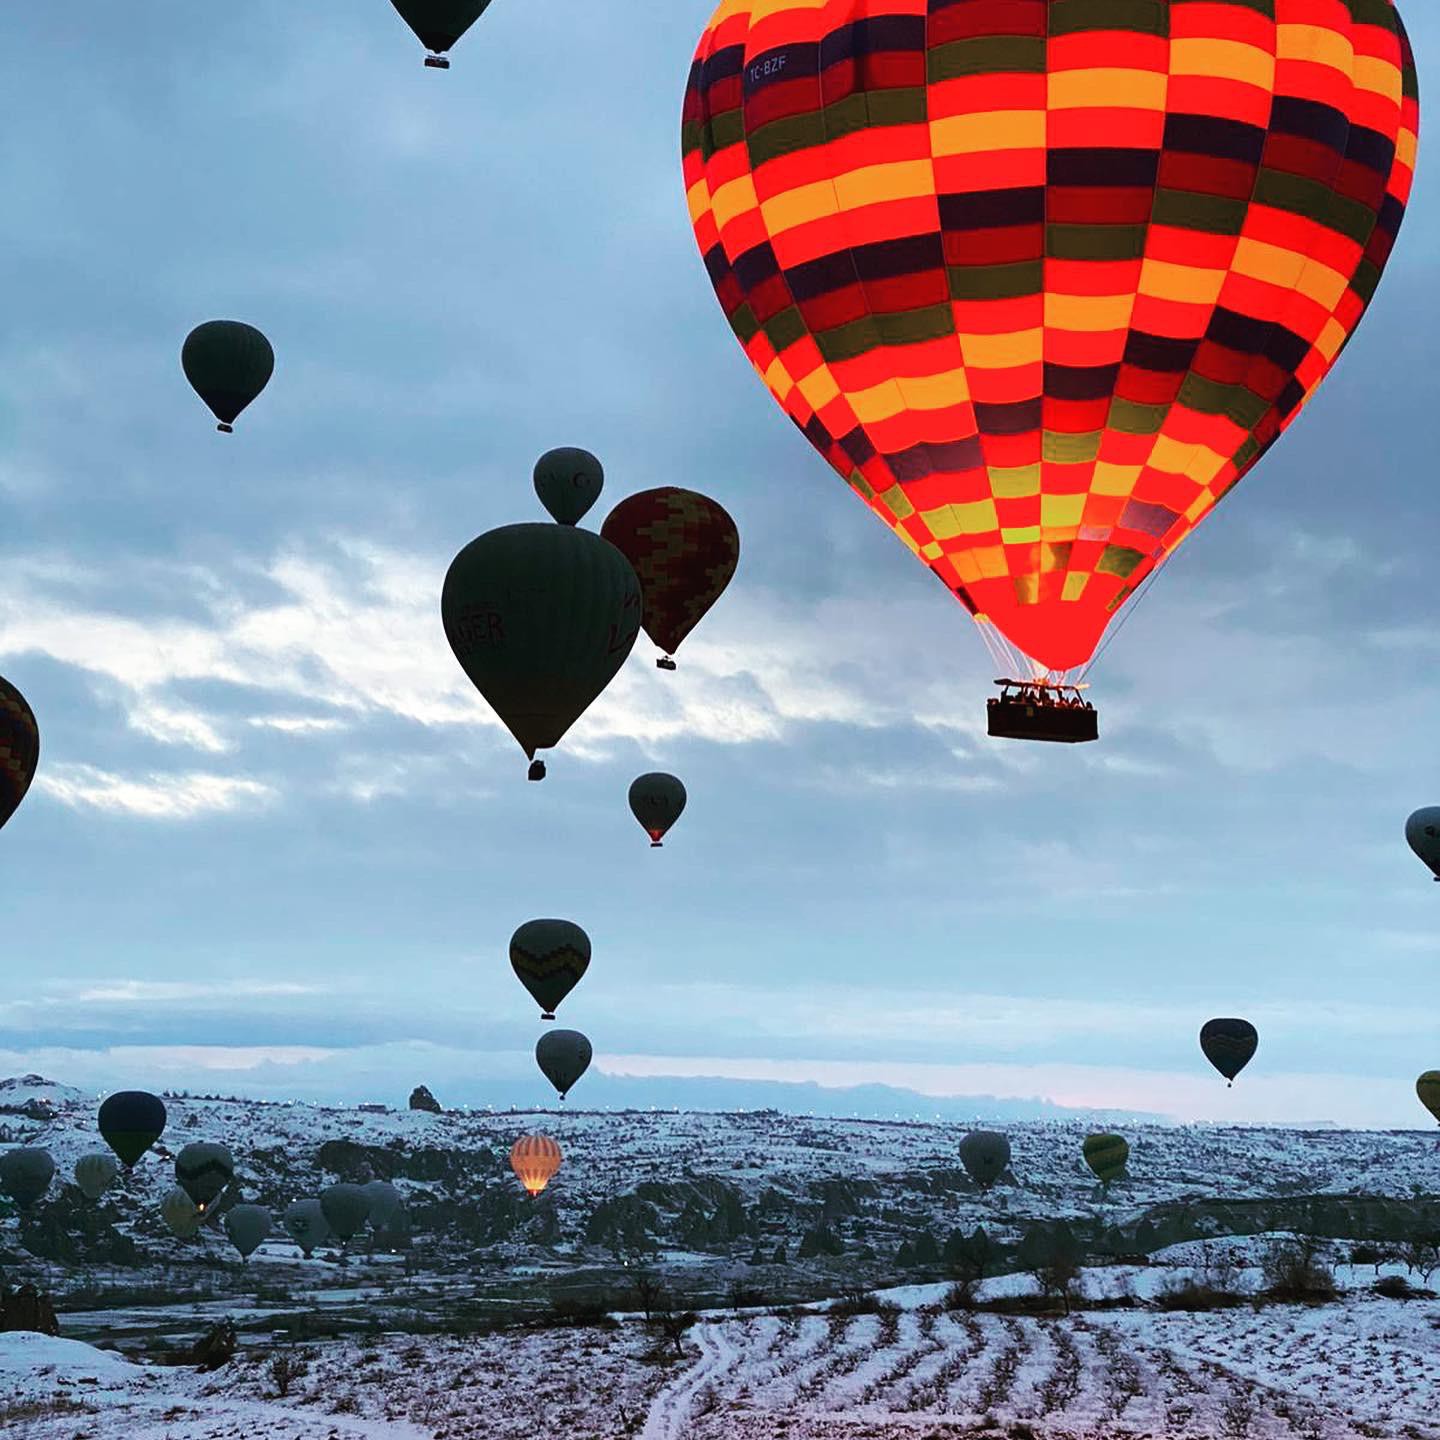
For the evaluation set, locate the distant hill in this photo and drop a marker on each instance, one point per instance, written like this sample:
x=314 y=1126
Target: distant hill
x=858 y=1102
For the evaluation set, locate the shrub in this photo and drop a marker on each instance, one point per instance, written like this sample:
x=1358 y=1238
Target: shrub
x=1293 y=1270
x=1188 y=1293
x=1396 y=1287
x=286 y=1367
x=850 y=1303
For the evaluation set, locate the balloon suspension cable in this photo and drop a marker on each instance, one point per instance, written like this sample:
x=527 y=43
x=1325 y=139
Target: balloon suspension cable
x=1130 y=609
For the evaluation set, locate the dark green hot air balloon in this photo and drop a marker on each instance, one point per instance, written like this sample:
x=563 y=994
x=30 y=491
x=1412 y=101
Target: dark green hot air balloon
x=131 y=1121
x=550 y=957
x=385 y=1202
x=248 y=1227
x=568 y=482
x=657 y=801
x=180 y=1215
x=985 y=1155
x=229 y=363
x=19 y=749
x=346 y=1209
x=202 y=1171
x=305 y=1224
x=439 y=24
x=563 y=1056
x=1229 y=1045
x=540 y=617
x=1107 y=1156
x=25 y=1174
x=94 y=1174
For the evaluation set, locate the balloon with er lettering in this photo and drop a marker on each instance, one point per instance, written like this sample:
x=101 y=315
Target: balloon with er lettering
x=540 y=617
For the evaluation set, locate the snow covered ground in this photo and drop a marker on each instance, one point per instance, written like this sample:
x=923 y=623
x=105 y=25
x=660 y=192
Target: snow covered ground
x=1365 y=1367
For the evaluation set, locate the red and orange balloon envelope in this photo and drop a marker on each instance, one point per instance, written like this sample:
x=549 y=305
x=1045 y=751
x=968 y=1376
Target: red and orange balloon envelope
x=535 y=1159
x=684 y=548
x=1042 y=279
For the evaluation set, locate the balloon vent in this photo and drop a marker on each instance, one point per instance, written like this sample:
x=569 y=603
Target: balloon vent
x=537 y=770
x=225 y=429
x=436 y=62
x=665 y=663
x=1041 y=710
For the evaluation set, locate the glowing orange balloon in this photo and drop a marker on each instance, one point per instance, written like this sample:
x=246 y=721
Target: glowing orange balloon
x=535 y=1159
x=1042 y=279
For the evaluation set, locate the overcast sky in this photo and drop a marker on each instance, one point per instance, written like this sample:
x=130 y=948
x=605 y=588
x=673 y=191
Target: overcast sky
x=277 y=835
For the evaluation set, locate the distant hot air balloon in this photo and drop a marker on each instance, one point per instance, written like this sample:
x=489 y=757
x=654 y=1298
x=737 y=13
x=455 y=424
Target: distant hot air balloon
x=1042 y=281
x=202 y=1171
x=684 y=548
x=550 y=957
x=1427 y=1087
x=1107 y=1156
x=385 y=1202
x=25 y=1174
x=346 y=1209
x=535 y=1159
x=985 y=1155
x=568 y=482
x=439 y=24
x=563 y=1057
x=657 y=801
x=94 y=1174
x=248 y=1227
x=305 y=1224
x=1422 y=833
x=1229 y=1045
x=131 y=1121
x=229 y=363
x=540 y=617
x=180 y=1215
x=19 y=749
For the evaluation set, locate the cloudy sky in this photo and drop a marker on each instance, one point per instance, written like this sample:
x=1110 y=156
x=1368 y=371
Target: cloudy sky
x=277 y=840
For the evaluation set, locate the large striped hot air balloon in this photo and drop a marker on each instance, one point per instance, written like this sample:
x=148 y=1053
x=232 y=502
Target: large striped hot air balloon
x=1042 y=279
x=535 y=1159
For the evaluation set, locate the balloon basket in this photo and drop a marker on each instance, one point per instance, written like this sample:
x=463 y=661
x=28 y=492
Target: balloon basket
x=656 y=845
x=1042 y=710
x=225 y=429
x=665 y=663
x=436 y=62
x=547 y=1014
x=536 y=771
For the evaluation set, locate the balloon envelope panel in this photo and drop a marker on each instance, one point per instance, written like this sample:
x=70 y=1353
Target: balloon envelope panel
x=684 y=547
x=540 y=617
x=25 y=1174
x=568 y=482
x=535 y=1159
x=228 y=363
x=1039 y=318
x=1107 y=1156
x=550 y=957
x=438 y=24
x=1229 y=1045
x=19 y=749
x=131 y=1121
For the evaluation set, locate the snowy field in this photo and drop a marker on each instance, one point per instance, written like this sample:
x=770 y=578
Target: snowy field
x=1362 y=1368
